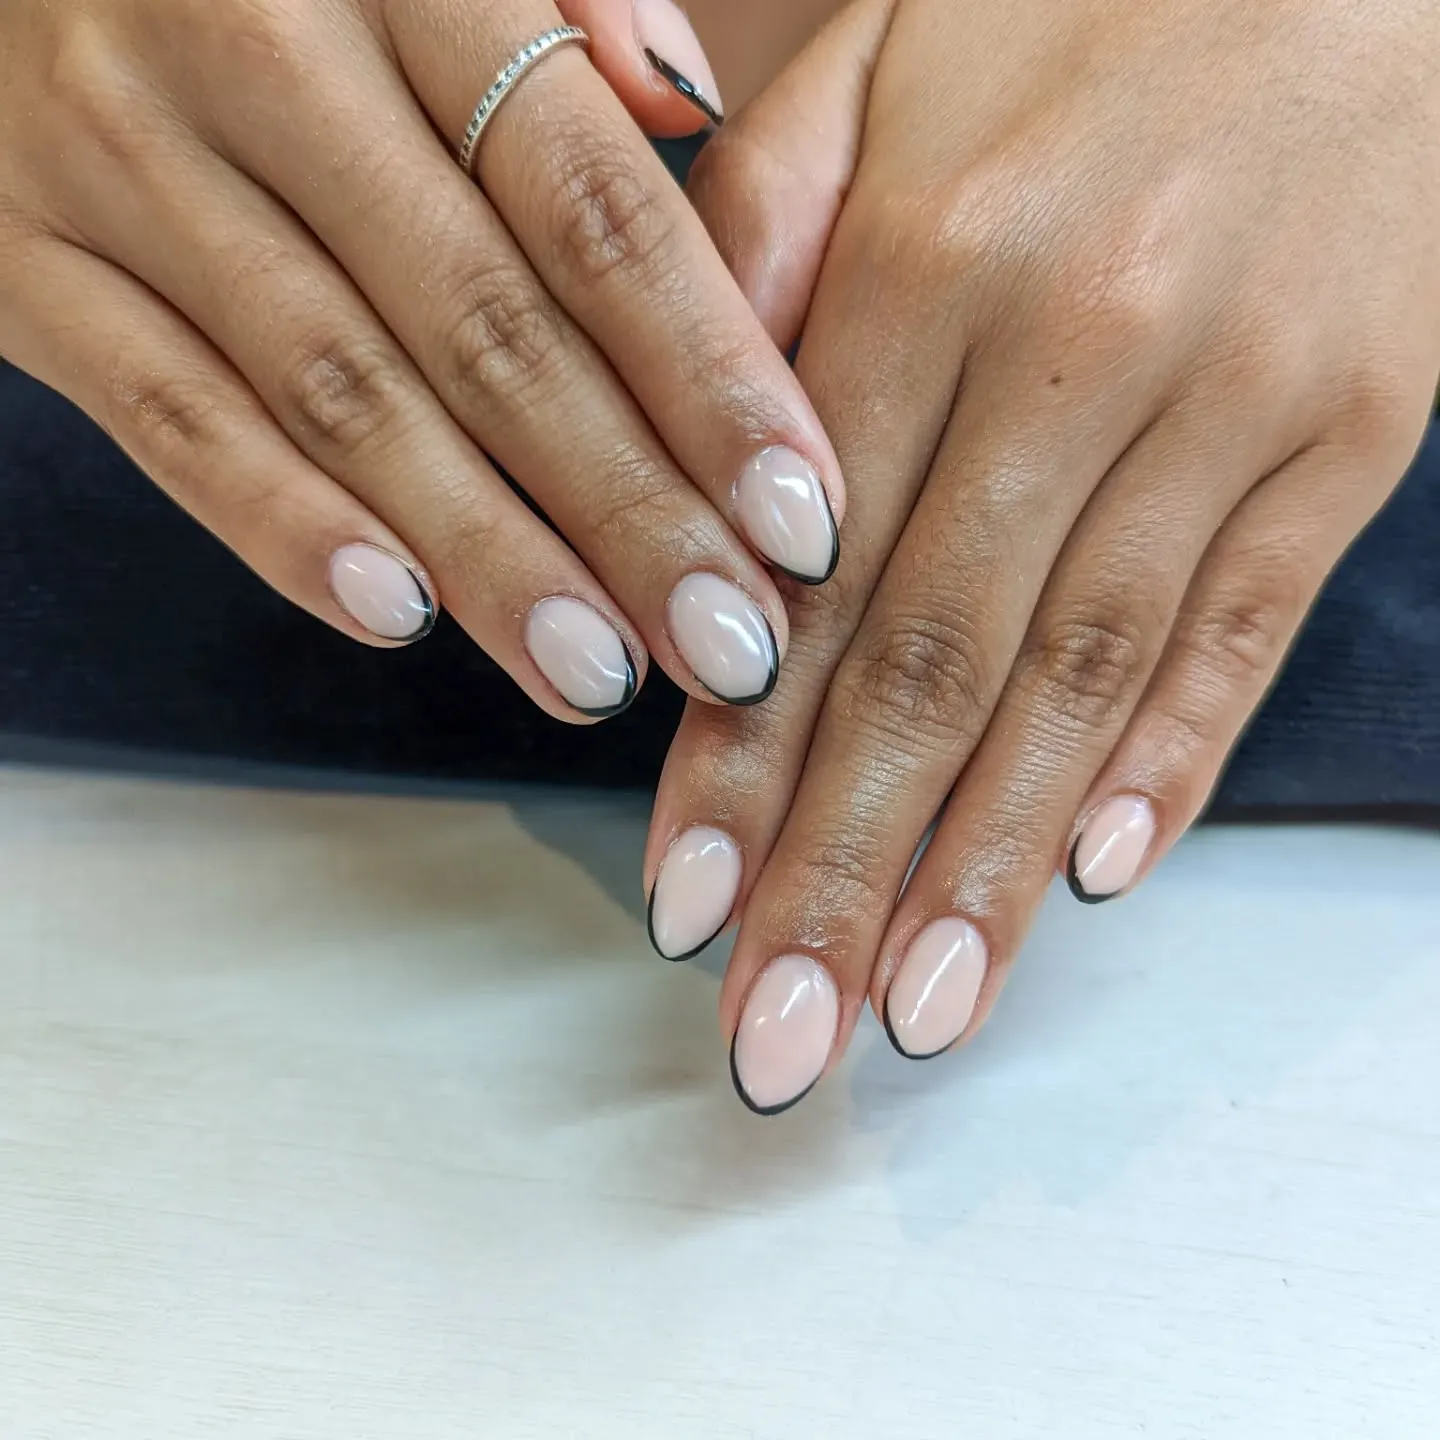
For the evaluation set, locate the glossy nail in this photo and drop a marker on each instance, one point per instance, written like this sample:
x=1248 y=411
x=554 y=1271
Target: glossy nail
x=1112 y=848
x=724 y=638
x=381 y=592
x=675 y=53
x=786 y=515
x=581 y=655
x=933 y=996
x=786 y=1034
x=694 y=892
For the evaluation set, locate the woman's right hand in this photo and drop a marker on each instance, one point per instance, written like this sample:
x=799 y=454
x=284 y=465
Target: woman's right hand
x=234 y=233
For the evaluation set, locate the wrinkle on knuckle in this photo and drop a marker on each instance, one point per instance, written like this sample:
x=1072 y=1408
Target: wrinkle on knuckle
x=502 y=337
x=340 y=392
x=166 y=420
x=1091 y=667
x=1244 y=635
x=922 y=674
x=609 y=219
x=843 y=868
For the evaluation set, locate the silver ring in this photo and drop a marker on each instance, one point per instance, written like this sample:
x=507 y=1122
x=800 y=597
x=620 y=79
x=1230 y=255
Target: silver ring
x=507 y=80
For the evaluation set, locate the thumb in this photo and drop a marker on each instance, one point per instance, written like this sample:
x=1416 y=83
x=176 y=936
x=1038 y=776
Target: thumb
x=653 y=60
x=770 y=186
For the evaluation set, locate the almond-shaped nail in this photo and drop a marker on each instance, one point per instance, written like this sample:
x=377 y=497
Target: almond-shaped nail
x=675 y=53
x=725 y=639
x=580 y=653
x=786 y=1034
x=694 y=892
x=1112 y=848
x=381 y=592
x=932 y=998
x=785 y=513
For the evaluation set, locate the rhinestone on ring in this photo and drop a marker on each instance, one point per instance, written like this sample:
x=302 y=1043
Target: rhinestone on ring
x=507 y=80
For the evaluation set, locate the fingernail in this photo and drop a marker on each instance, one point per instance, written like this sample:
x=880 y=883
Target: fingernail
x=381 y=592
x=786 y=514
x=674 y=51
x=933 y=997
x=694 y=892
x=786 y=1034
x=1111 y=849
x=724 y=639
x=579 y=652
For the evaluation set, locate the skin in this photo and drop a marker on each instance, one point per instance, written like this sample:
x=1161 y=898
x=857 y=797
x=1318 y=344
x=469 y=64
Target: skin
x=1124 y=318
x=231 y=233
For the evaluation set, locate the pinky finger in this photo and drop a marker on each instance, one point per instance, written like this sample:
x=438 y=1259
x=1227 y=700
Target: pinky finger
x=186 y=417
x=1241 y=614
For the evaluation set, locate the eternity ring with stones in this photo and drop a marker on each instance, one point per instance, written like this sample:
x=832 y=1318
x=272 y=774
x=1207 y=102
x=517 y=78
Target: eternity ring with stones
x=507 y=80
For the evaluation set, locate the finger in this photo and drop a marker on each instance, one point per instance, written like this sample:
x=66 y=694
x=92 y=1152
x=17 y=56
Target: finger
x=648 y=53
x=737 y=773
x=240 y=268
x=1239 y=619
x=526 y=384
x=1096 y=636
x=90 y=331
x=618 y=246
x=771 y=185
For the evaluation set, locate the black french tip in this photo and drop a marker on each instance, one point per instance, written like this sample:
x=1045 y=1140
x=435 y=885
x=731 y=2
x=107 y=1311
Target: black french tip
x=816 y=579
x=900 y=1050
x=1072 y=879
x=431 y=617
x=750 y=1105
x=655 y=944
x=684 y=87
x=607 y=712
x=745 y=701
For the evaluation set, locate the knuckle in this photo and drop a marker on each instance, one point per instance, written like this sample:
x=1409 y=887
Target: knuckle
x=164 y=420
x=922 y=673
x=846 y=866
x=1383 y=404
x=503 y=336
x=1243 y=636
x=1091 y=667
x=610 y=221
x=341 y=393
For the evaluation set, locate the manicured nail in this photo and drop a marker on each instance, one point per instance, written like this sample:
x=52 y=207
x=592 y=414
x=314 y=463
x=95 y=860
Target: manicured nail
x=786 y=1034
x=694 y=892
x=381 y=592
x=674 y=51
x=932 y=999
x=1111 y=849
x=724 y=638
x=786 y=514
x=581 y=655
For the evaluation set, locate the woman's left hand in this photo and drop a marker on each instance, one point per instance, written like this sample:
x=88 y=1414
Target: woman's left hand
x=1124 y=318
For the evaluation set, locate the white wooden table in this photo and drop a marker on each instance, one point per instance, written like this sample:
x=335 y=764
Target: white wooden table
x=336 y=1118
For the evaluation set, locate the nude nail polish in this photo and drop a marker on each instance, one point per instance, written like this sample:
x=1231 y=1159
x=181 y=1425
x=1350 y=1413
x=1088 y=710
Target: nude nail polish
x=1113 y=846
x=381 y=592
x=694 y=892
x=672 y=48
x=580 y=653
x=933 y=996
x=724 y=638
x=785 y=513
x=786 y=1034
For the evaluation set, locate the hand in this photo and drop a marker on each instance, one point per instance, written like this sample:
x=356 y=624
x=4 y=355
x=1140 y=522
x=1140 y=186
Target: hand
x=232 y=233
x=1124 y=318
